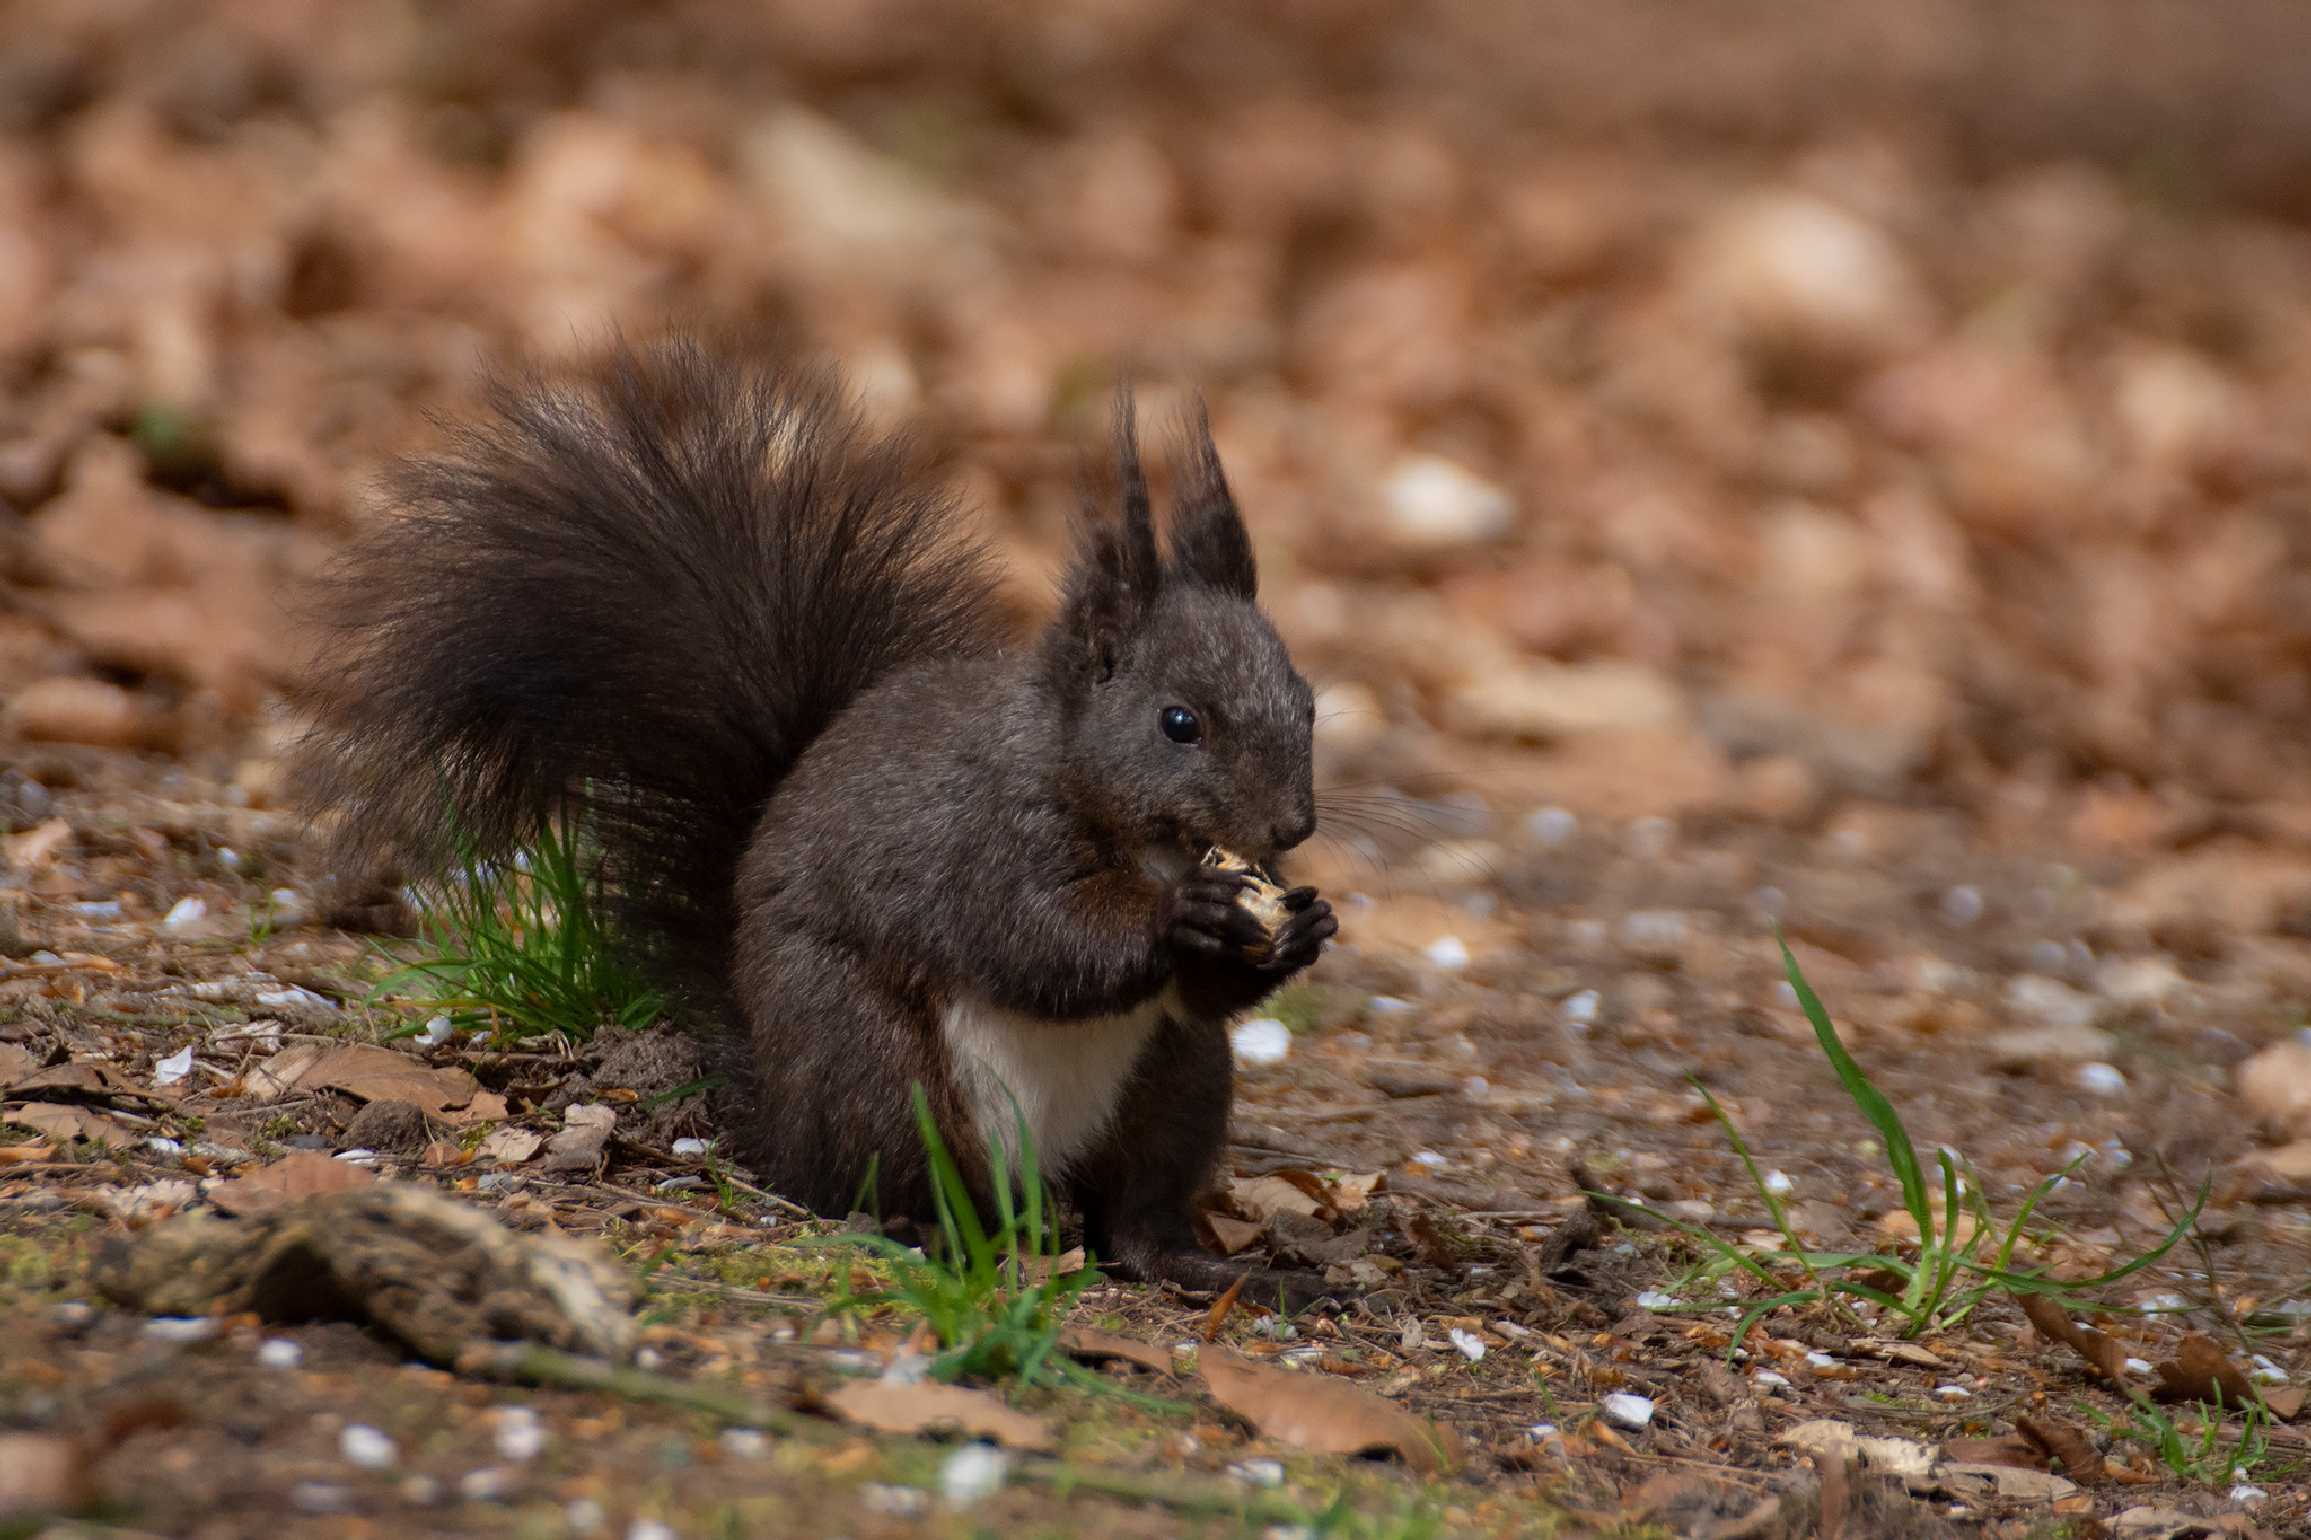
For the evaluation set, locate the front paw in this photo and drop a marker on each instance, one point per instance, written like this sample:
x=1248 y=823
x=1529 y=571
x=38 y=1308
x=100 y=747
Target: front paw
x=1302 y=939
x=1206 y=916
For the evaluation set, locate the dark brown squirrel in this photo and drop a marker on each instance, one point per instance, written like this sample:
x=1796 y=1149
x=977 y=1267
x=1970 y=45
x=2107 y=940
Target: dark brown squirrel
x=689 y=596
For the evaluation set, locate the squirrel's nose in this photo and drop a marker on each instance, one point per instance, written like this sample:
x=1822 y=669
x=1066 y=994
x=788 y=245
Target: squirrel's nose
x=1294 y=831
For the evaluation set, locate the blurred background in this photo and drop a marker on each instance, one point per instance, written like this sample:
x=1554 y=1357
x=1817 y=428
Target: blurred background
x=1641 y=409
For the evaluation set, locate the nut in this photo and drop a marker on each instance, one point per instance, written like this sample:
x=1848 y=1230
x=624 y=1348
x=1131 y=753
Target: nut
x=1261 y=898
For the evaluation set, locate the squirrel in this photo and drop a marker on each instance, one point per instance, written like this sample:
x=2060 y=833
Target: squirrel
x=687 y=595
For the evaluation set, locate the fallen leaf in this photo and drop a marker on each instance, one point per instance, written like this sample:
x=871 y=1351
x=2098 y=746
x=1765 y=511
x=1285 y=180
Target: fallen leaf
x=1221 y=1306
x=1827 y=1438
x=1232 y=1234
x=2175 y=1524
x=1351 y=1193
x=486 y=1107
x=370 y=1073
x=68 y=1123
x=2009 y=1481
x=1320 y=1413
x=2285 y=1401
x=36 y=846
x=2080 y=1462
x=2102 y=1353
x=510 y=1146
x=24 y=1154
x=153 y=1200
x=277 y=1076
x=43 y=1473
x=1260 y=1198
x=80 y=1077
x=926 y=1406
x=16 y=1063
x=578 y=1147
x=300 y=1174
x=2200 y=1371
x=1094 y=1346
x=2006 y=1449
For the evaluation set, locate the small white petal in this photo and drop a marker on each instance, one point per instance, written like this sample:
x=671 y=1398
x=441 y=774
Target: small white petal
x=1448 y=952
x=1779 y=1184
x=2101 y=1079
x=437 y=1031
x=364 y=1446
x=1262 y=1040
x=1259 y=1473
x=174 y=1068
x=1471 y=1347
x=280 y=1353
x=745 y=1443
x=184 y=913
x=690 y=1147
x=1625 y=1410
x=973 y=1472
x=1951 y=1393
x=520 y=1435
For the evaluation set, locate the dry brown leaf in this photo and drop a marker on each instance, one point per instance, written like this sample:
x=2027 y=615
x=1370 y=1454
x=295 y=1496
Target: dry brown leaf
x=585 y=1130
x=80 y=1077
x=43 y=1473
x=2285 y=1401
x=1319 y=1413
x=1261 y=1198
x=1093 y=1345
x=2201 y=1371
x=1232 y=1234
x=927 y=1407
x=1352 y=1192
x=1221 y=1306
x=68 y=1123
x=277 y=1076
x=16 y=1063
x=2006 y=1449
x=372 y=1074
x=510 y=1146
x=2102 y=1353
x=2079 y=1460
x=486 y=1107
x=300 y=1174
x=36 y=846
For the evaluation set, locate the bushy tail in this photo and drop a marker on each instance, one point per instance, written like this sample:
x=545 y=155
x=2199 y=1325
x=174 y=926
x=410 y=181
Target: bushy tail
x=637 y=596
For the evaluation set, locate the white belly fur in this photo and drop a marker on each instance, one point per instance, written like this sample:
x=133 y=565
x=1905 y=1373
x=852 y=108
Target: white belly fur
x=1066 y=1077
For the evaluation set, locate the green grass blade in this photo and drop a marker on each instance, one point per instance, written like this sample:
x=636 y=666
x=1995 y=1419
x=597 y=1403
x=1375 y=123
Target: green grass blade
x=1873 y=1104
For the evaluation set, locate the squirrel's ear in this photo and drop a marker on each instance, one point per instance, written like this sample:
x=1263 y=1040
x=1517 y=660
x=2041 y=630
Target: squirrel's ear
x=1209 y=543
x=1113 y=577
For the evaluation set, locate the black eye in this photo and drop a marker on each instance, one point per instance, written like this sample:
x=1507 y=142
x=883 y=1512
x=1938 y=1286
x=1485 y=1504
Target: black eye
x=1182 y=725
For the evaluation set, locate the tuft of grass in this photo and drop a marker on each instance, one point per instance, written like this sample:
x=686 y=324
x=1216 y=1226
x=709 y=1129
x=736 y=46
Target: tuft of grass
x=517 y=949
x=994 y=1296
x=1963 y=1257
x=2203 y=1455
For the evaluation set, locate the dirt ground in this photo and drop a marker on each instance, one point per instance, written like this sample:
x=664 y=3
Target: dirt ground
x=1839 y=468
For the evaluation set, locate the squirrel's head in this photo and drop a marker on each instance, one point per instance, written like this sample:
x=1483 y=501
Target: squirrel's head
x=1184 y=716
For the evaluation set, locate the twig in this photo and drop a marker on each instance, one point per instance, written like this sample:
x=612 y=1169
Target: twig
x=533 y=1365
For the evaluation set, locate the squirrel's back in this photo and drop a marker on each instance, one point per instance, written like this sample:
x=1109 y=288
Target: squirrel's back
x=637 y=593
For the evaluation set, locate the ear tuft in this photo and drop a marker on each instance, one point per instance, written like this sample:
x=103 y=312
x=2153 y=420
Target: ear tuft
x=1116 y=570
x=1210 y=545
